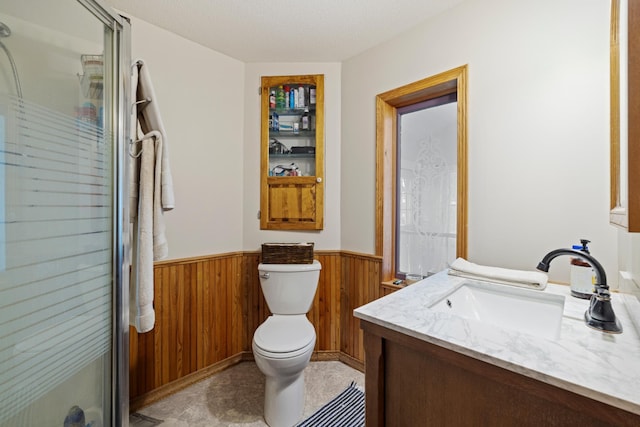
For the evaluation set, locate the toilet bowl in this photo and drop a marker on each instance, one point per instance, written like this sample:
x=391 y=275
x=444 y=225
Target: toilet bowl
x=283 y=344
x=282 y=348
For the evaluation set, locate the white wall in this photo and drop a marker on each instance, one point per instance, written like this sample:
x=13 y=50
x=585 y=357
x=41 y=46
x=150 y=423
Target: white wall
x=538 y=117
x=629 y=262
x=201 y=98
x=329 y=237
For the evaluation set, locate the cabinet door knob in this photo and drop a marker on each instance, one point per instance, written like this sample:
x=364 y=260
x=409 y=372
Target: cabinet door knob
x=319 y=179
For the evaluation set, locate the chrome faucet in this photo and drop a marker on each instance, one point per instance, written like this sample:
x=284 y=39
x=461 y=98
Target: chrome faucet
x=600 y=313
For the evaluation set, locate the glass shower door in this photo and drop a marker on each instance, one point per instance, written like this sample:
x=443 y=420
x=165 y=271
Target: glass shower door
x=58 y=169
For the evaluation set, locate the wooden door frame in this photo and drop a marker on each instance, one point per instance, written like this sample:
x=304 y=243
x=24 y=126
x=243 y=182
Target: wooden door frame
x=387 y=103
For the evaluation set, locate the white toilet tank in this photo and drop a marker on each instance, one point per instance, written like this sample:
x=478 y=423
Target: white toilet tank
x=289 y=288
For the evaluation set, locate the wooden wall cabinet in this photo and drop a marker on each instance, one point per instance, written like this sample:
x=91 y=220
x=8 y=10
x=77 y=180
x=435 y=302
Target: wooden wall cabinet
x=292 y=153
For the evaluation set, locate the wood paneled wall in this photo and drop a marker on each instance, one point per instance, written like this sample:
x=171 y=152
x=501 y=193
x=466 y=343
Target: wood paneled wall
x=207 y=309
x=200 y=320
x=360 y=285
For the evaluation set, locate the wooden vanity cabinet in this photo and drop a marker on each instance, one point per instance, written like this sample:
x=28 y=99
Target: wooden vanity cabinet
x=410 y=382
x=292 y=153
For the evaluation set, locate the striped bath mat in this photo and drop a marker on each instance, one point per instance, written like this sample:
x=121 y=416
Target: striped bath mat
x=344 y=410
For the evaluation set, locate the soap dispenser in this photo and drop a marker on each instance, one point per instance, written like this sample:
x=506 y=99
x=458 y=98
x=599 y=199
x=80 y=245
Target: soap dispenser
x=582 y=276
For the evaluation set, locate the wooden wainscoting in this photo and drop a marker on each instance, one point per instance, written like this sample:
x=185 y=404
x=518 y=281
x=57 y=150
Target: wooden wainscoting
x=208 y=308
x=200 y=321
x=360 y=285
x=324 y=313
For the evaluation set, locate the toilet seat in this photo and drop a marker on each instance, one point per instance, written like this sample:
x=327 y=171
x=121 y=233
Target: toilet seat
x=284 y=336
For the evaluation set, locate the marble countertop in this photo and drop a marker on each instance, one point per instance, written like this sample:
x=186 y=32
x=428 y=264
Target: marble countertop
x=604 y=367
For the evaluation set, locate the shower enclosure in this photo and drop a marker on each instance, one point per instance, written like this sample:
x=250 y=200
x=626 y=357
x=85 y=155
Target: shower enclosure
x=64 y=68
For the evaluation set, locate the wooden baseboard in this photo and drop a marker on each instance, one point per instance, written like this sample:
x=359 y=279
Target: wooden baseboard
x=325 y=356
x=175 y=386
x=338 y=356
x=351 y=361
x=246 y=356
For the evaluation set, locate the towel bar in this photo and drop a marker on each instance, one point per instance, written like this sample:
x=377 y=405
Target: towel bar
x=144 y=103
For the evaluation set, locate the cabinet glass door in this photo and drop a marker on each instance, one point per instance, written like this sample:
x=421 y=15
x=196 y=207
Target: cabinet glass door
x=292 y=125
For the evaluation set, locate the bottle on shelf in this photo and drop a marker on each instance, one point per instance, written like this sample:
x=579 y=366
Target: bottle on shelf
x=280 y=101
x=272 y=99
x=301 y=97
x=305 y=120
x=312 y=95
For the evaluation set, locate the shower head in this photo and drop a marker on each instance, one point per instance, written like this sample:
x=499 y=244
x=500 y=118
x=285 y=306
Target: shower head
x=4 y=30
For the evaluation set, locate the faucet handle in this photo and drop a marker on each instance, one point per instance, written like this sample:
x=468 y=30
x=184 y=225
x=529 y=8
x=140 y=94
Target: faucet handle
x=584 y=243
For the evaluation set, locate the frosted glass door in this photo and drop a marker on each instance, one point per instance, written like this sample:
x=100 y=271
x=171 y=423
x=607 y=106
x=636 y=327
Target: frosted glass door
x=56 y=215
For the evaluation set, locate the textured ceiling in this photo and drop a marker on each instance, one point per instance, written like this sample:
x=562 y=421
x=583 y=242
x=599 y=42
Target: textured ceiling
x=285 y=30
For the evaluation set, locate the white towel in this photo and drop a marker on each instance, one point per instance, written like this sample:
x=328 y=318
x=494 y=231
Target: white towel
x=150 y=120
x=150 y=194
x=528 y=279
x=149 y=240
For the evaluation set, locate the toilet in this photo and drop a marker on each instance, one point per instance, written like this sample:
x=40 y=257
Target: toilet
x=283 y=344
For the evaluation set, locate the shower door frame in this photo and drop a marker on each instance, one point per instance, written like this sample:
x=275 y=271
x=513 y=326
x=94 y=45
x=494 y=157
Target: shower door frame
x=121 y=90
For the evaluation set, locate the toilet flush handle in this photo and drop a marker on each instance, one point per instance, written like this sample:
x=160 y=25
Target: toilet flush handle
x=264 y=275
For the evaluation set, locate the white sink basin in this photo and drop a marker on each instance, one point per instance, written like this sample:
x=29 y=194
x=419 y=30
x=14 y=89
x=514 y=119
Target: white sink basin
x=508 y=307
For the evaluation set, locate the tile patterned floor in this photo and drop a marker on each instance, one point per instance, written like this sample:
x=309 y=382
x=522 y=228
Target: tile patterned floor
x=235 y=396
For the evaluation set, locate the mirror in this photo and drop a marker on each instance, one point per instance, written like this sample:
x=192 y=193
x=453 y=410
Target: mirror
x=625 y=102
